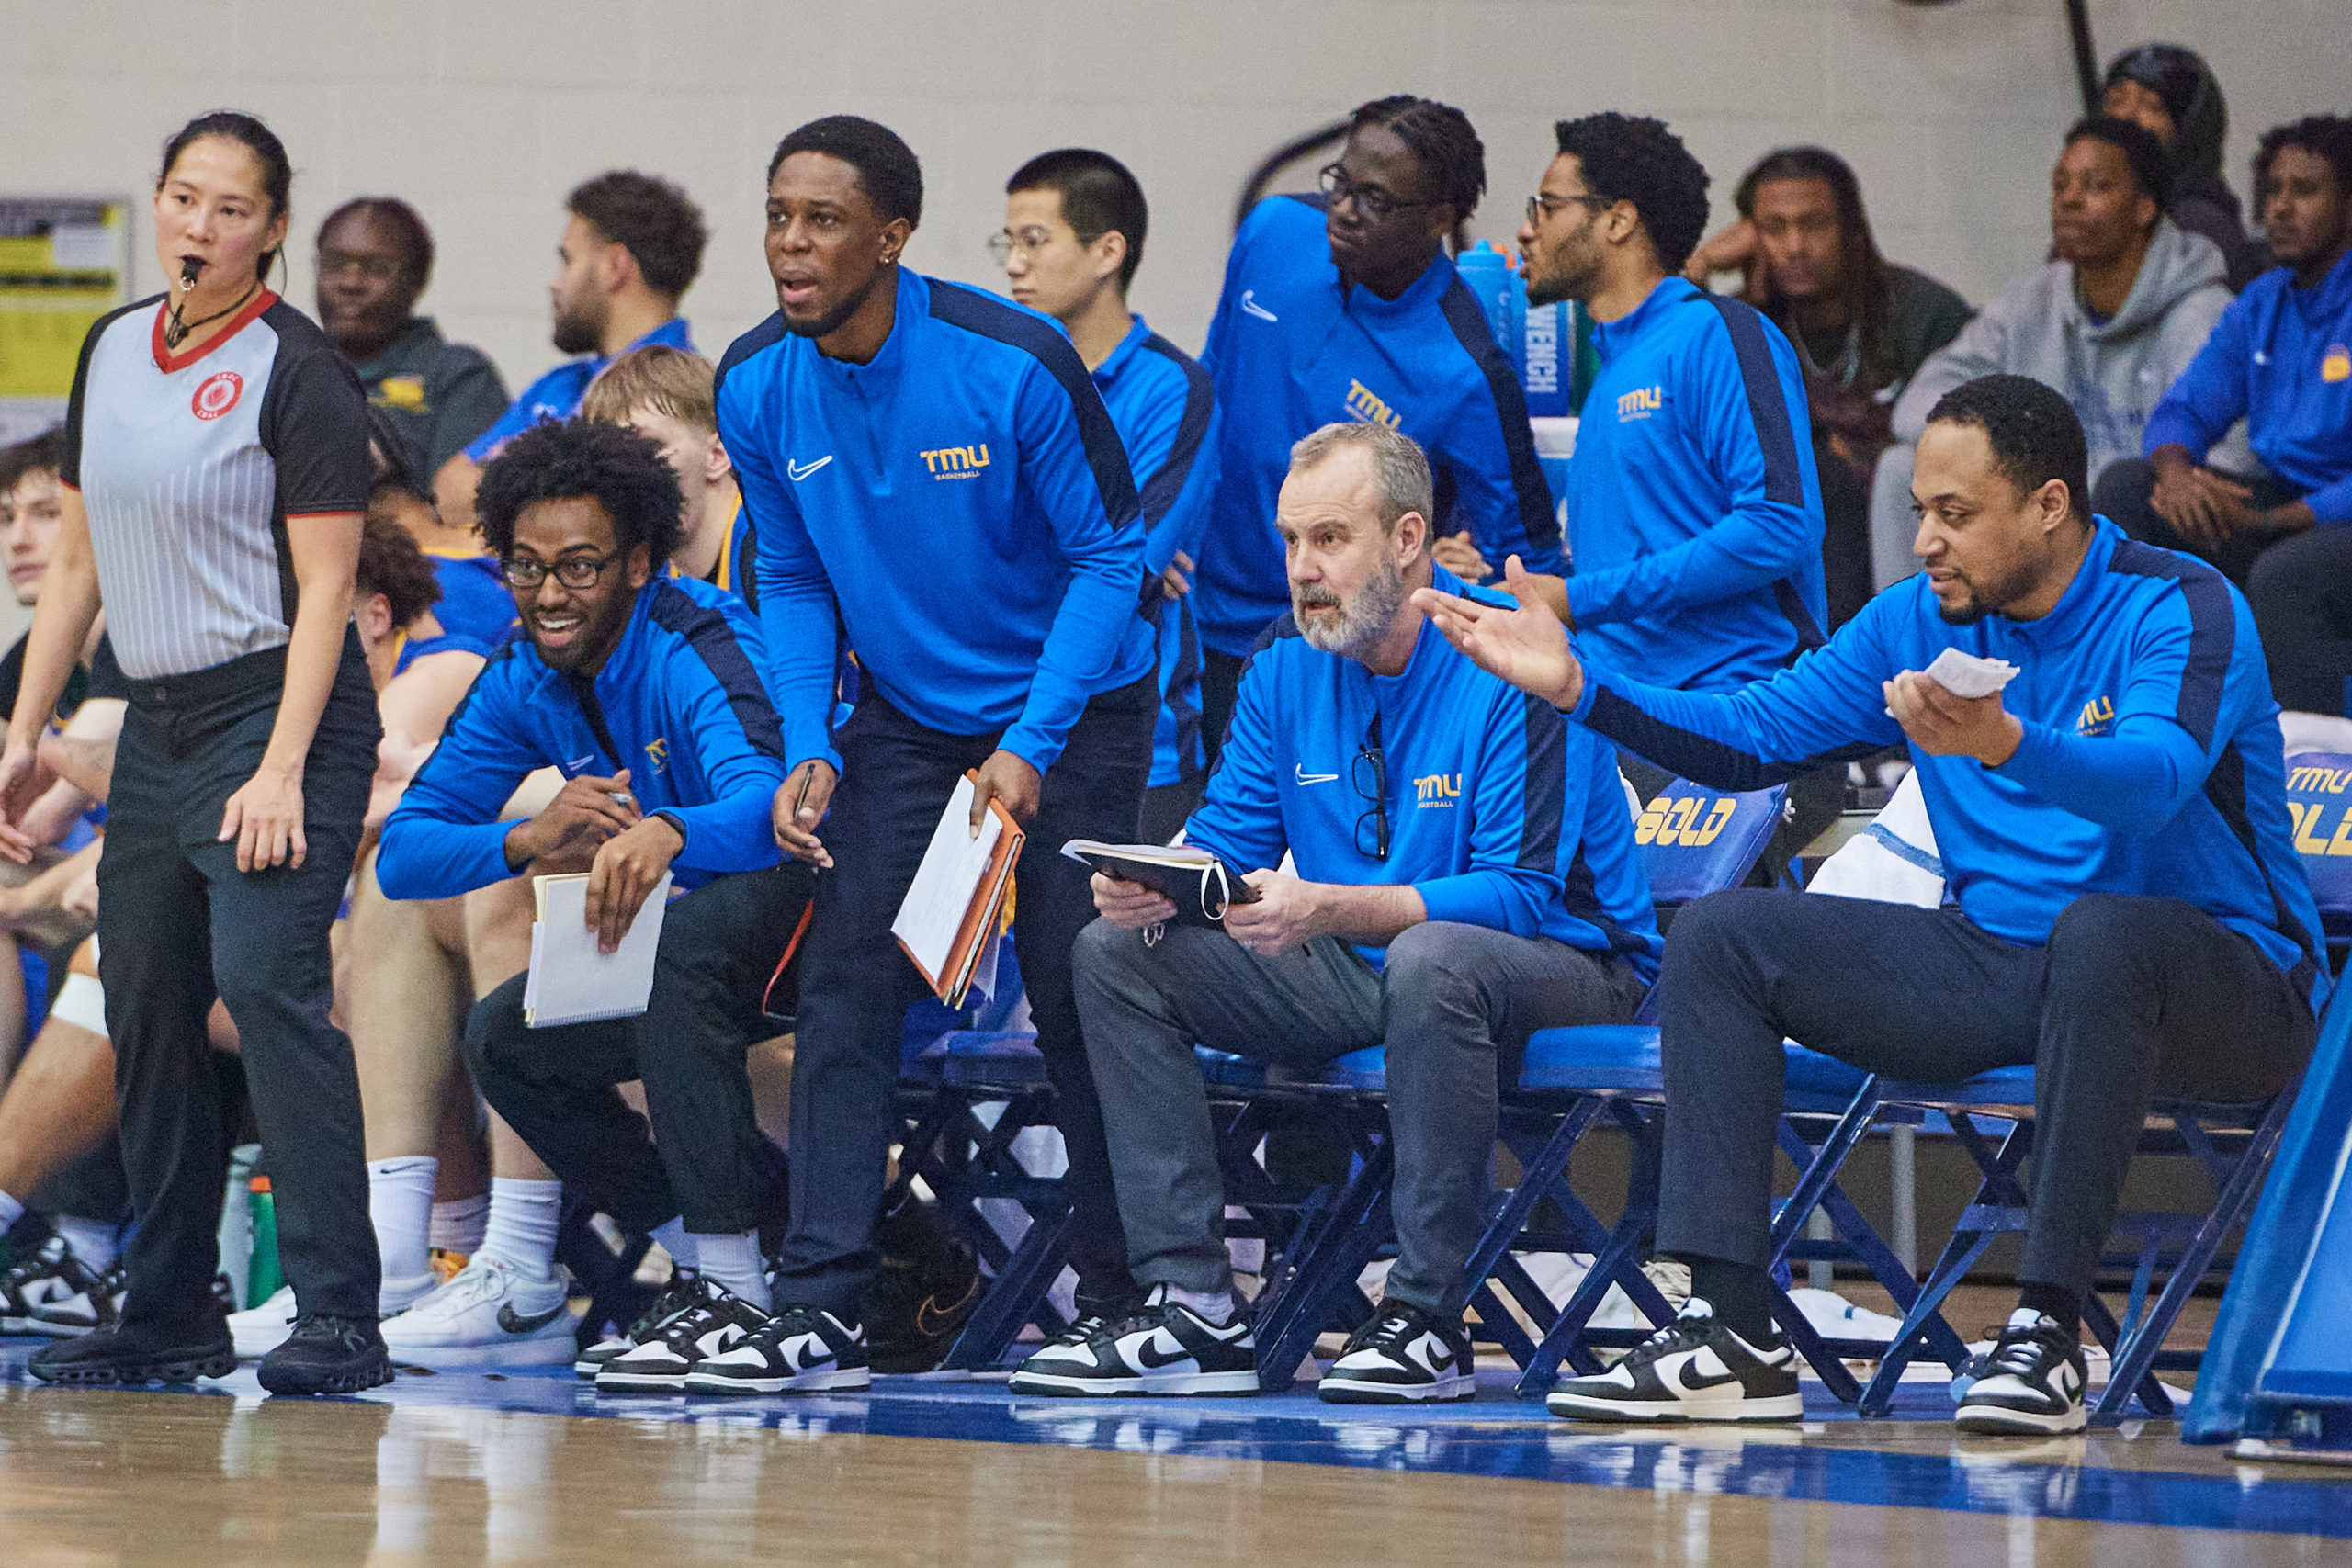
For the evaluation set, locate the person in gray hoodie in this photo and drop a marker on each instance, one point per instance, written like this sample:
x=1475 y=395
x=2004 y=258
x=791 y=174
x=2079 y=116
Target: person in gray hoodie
x=2110 y=323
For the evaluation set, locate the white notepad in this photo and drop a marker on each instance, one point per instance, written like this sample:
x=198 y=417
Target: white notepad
x=932 y=913
x=571 y=982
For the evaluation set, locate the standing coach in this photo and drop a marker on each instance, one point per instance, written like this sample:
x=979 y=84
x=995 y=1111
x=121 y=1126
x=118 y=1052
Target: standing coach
x=217 y=473
x=929 y=469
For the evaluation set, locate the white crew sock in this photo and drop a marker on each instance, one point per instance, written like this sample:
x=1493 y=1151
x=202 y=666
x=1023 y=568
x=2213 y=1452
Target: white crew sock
x=94 y=1242
x=1213 y=1307
x=400 y=1203
x=11 y=1211
x=458 y=1225
x=732 y=1260
x=672 y=1235
x=523 y=1216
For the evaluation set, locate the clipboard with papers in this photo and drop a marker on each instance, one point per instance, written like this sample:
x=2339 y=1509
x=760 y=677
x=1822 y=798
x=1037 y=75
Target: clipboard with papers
x=949 y=919
x=570 y=981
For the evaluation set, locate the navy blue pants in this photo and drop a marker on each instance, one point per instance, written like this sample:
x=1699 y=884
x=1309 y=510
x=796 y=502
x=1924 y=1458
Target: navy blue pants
x=855 y=983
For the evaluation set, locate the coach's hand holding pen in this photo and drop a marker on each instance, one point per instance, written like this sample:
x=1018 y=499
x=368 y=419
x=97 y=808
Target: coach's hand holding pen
x=587 y=808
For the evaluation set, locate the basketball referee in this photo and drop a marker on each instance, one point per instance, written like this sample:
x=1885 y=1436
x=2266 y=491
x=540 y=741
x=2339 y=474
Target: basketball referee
x=216 y=470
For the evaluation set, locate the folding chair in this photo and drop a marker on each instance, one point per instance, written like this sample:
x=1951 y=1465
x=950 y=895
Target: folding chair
x=2233 y=1143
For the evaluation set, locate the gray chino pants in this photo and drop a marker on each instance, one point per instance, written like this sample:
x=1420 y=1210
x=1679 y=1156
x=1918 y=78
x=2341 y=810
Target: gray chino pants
x=1454 y=1007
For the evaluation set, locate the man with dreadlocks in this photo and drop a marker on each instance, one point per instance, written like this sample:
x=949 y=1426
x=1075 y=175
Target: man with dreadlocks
x=1861 y=325
x=1342 y=305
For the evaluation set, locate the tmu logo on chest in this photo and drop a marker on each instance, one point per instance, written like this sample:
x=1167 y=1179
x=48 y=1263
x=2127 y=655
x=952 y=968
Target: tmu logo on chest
x=1369 y=407
x=1437 y=792
x=1640 y=404
x=956 y=462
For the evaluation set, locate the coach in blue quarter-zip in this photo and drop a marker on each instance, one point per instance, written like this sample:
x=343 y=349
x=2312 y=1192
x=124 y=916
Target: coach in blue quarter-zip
x=930 y=471
x=2130 y=917
x=1466 y=875
x=644 y=691
x=1344 y=305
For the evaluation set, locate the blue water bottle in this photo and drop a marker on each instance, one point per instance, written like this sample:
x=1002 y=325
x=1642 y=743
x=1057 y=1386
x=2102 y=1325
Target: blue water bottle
x=1486 y=272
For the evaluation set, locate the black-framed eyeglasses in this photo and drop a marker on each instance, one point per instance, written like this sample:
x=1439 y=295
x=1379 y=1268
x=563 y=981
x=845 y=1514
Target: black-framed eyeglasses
x=1539 y=208
x=1375 y=203
x=1370 y=775
x=572 y=571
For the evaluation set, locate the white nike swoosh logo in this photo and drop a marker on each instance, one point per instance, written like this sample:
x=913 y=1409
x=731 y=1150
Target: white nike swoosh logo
x=1306 y=778
x=1250 y=307
x=795 y=472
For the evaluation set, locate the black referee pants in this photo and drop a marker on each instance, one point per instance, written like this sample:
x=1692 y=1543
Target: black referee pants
x=706 y=1160
x=855 y=984
x=179 y=924
x=2132 y=996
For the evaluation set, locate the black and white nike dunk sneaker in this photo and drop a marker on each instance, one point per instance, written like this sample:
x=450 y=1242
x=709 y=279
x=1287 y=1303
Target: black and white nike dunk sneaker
x=1403 y=1356
x=1694 y=1368
x=683 y=1292
x=1166 y=1348
x=800 y=1349
x=718 y=1320
x=2031 y=1382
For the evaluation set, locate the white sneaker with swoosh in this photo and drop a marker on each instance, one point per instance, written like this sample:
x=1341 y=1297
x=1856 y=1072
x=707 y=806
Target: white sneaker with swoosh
x=1403 y=1356
x=1694 y=1368
x=491 y=1313
x=1166 y=1348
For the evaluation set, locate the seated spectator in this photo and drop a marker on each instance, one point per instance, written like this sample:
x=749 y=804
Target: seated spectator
x=2110 y=324
x=669 y=396
x=2172 y=93
x=1491 y=889
x=2280 y=358
x=1861 y=327
x=1074 y=226
x=2131 y=917
x=474 y=602
x=375 y=256
x=631 y=250
x=642 y=689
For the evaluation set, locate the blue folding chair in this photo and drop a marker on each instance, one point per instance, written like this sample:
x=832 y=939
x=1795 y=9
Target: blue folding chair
x=2233 y=1143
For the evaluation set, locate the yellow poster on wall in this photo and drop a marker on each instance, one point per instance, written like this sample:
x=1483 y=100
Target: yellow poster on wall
x=64 y=262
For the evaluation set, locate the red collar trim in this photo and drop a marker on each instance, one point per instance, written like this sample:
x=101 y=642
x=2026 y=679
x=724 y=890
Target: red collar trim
x=168 y=362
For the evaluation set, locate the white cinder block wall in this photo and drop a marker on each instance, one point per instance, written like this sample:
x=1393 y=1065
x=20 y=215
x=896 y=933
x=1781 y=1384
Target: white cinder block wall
x=484 y=112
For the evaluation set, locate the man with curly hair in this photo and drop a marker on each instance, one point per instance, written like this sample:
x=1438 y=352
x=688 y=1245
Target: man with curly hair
x=643 y=690
x=2279 y=358
x=1694 y=507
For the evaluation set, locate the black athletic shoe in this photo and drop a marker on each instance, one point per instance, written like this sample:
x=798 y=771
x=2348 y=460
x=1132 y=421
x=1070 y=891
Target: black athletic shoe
x=1692 y=1370
x=1403 y=1356
x=716 y=1320
x=1166 y=1348
x=928 y=1286
x=683 y=1291
x=2032 y=1381
x=800 y=1349
x=134 y=1355
x=328 y=1354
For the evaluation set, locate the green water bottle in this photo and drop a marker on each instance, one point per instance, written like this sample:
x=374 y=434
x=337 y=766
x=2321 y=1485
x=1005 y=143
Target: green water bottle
x=263 y=1277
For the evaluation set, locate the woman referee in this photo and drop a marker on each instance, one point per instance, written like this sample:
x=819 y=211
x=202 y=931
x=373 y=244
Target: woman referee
x=217 y=471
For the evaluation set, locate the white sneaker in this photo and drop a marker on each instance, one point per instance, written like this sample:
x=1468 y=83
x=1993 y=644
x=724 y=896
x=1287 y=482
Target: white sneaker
x=258 y=1330
x=396 y=1296
x=491 y=1315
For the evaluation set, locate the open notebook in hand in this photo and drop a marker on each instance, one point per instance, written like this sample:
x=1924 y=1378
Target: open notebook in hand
x=1193 y=880
x=951 y=907
x=571 y=982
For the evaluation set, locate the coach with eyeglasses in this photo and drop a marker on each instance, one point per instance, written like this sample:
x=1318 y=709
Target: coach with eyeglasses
x=1466 y=875
x=1344 y=305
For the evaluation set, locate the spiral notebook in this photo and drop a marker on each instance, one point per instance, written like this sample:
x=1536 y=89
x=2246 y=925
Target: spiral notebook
x=571 y=982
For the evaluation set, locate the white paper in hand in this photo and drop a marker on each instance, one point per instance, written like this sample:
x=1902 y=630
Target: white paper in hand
x=571 y=982
x=1968 y=675
x=941 y=895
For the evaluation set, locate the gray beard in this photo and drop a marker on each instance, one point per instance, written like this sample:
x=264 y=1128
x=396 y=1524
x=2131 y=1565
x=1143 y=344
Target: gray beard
x=1362 y=621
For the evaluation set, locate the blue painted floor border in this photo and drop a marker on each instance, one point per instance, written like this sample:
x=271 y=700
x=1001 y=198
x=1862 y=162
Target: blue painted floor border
x=2140 y=1474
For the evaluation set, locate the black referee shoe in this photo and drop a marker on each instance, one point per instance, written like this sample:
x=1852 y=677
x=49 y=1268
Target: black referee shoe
x=138 y=1355
x=328 y=1354
x=1694 y=1368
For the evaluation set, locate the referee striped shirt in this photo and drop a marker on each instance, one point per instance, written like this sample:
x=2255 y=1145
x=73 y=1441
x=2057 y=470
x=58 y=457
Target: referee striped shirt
x=191 y=463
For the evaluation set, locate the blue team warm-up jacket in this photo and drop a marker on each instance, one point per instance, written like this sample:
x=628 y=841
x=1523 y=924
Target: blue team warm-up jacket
x=961 y=507
x=1694 y=513
x=679 y=703
x=1501 y=813
x=1161 y=404
x=558 y=394
x=2280 y=358
x=1290 y=353
x=2152 y=763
